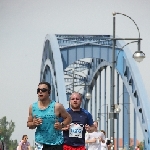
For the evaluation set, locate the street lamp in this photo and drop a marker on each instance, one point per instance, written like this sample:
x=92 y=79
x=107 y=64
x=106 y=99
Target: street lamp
x=88 y=96
x=117 y=109
x=138 y=56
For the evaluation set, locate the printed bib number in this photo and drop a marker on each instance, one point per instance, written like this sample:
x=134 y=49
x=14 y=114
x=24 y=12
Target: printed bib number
x=75 y=130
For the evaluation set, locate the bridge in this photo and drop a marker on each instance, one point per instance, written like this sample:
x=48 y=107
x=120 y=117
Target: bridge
x=83 y=63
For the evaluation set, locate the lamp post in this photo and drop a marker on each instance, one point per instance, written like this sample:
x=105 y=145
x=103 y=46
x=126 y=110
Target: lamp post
x=73 y=81
x=106 y=116
x=138 y=56
x=88 y=94
x=117 y=108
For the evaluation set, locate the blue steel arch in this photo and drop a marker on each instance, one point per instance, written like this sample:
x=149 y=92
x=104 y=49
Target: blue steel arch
x=52 y=58
x=60 y=51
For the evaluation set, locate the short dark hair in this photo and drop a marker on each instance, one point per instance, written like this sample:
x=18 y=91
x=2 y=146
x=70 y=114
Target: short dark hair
x=46 y=83
x=23 y=136
x=103 y=132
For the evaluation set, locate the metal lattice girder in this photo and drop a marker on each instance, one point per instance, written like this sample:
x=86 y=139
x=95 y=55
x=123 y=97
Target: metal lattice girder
x=60 y=51
x=76 y=76
x=71 y=40
x=79 y=65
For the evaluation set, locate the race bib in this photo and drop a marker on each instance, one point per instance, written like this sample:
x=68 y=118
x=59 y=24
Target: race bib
x=76 y=130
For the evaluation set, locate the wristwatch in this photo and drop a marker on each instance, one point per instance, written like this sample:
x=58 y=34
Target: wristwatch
x=62 y=124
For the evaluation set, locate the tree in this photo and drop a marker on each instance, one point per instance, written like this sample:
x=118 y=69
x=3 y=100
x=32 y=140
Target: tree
x=12 y=144
x=141 y=146
x=6 y=130
x=132 y=147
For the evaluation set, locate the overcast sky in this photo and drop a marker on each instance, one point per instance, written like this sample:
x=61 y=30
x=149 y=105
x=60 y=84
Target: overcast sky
x=23 y=27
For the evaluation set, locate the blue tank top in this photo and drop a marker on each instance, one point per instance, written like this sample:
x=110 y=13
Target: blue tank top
x=46 y=133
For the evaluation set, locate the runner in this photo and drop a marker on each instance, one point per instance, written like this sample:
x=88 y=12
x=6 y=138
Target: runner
x=74 y=134
x=95 y=138
x=24 y=144
x=106 y=144
x=44 y=115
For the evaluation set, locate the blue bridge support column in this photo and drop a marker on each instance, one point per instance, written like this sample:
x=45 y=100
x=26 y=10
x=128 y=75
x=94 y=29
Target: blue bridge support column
x=126 y=118
x=100 y=99
x=135 y=130
x=117 y=143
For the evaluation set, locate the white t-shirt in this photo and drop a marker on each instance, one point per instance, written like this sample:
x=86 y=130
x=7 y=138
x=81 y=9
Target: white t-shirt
x=97 y=144
x=104 y=145
x=86 y=144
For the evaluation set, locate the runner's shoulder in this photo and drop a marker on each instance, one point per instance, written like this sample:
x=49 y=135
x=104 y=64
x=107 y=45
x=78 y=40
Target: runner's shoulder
x=58 y=105
x=85 y=111
x=68 y=109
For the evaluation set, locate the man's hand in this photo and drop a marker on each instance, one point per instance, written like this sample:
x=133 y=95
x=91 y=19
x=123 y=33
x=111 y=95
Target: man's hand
x=57 y=125
x=37 y=121
x=87 y=127
x=93 y=140
x=103 y=141
x=66 y=128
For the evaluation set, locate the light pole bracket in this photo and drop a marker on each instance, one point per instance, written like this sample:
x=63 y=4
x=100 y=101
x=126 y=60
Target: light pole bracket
x=113 y=115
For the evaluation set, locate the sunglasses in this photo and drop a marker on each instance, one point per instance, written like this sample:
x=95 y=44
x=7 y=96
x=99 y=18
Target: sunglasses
x=43 y=90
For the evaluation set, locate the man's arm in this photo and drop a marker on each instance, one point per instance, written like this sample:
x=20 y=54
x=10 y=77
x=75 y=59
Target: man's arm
x=101 y=137
x=88 y=140
x=32 y=123
x=67 y=119
x=90 y=127
x=91 y=141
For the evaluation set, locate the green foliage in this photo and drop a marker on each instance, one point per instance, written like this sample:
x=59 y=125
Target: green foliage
x=6 y=130
x=32 y=147
x=12 y=145
x=141 y=146
x=132 y=147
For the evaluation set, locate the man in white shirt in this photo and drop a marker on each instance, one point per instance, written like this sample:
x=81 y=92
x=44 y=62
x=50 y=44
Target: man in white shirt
x=94 y=139
x=106 y=144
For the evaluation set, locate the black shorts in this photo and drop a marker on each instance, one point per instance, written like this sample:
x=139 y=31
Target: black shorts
x=52 y=147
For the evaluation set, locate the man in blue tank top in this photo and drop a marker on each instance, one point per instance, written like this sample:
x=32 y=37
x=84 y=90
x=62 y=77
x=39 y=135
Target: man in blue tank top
x=44 y=115
x=74 y=134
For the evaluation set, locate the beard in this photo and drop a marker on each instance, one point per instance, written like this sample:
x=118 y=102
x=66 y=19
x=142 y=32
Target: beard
x=75 y=106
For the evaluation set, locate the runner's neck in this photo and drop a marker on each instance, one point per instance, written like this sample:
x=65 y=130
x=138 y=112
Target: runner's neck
x=76 y=109
x=45 y=103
